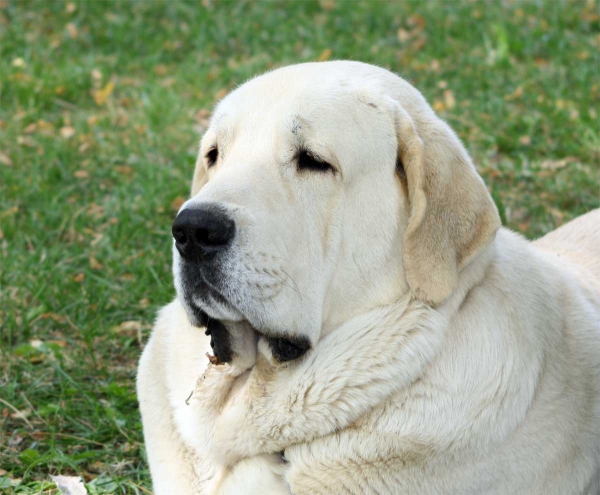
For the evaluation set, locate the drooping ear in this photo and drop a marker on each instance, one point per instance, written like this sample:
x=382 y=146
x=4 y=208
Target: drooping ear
x=452 y=215
x=200 y=176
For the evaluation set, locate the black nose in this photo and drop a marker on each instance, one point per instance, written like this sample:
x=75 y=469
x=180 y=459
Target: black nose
x=202 y=231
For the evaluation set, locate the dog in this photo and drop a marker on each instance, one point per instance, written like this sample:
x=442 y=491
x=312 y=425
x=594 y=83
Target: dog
x=374 y=328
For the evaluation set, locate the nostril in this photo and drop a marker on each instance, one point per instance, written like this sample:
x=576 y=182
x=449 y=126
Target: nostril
x=213 y=237
x=179 y=235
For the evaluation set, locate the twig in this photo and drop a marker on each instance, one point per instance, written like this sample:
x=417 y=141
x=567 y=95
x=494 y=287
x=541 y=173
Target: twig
x=18 y=413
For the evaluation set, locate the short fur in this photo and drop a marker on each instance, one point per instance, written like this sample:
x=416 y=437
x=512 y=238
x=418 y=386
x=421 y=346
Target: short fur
x=447 y=355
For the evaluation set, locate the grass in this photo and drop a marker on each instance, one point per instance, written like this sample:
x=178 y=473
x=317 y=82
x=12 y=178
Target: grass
x=100 y=112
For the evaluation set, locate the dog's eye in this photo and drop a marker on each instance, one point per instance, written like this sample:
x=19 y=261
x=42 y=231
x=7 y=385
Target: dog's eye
x=308 y=161
x=212 y=156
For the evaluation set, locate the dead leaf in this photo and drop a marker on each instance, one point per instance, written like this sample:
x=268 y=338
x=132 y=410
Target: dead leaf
x=79 y=277
x=81 y=174
x=515 y=95
x=26 y=141
x=69 y=485
x=124 y=169
x=449 y=100
x=23 y=414
x=67 y=132
x=403 y=35
x=72 y=29
x=177 y=203
x=221 y=93
x=3 y=472
x=525 y=140
x=131 y=326
x=439 y=106
x=161 y=70
x=101 y=95
x=30 y=128
x=70 y=8
x=95 y=264
x=558 y=164
x=19 y=63
x=325 y=55
x=5 y=160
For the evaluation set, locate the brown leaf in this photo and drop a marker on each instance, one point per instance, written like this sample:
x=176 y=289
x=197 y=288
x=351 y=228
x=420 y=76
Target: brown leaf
x=177 y=203
x=95 y=264
x=449 y=100
x=67 y=132
x=515 y=95
x=79 y=277
x=439 y=106
x=558 y=164
x=220 y=94
x=124 y=169
x=26 y=141
x=101 y=95
x=161 y=70
x=5 y=160
x=131 y=327
x=325 y=55
x=81 y=174
x=30 y=128
x=72 y=29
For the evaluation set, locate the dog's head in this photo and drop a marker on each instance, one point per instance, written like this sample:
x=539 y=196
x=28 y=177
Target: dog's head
x=323 y=190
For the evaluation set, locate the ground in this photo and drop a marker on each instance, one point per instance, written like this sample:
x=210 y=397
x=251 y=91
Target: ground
x=102 y=105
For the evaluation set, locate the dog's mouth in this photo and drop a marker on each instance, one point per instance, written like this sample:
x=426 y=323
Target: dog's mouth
x=283 y=349
x=222 y=330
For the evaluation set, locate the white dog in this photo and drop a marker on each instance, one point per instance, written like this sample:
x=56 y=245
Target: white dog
x=381 y=333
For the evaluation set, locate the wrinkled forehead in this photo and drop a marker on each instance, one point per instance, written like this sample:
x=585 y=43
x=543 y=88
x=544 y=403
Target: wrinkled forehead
x=299 y=102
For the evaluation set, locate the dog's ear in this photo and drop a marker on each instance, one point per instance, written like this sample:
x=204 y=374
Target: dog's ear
x=452 y=215
x=200 y=176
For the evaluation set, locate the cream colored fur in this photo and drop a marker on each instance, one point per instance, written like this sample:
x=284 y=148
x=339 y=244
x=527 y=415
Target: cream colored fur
x=449 y=356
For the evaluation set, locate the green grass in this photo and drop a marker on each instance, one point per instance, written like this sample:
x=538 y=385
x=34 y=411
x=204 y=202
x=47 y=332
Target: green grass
x=91 y=180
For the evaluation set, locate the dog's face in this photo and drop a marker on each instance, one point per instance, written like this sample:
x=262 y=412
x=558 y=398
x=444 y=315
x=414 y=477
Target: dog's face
x=308 y=204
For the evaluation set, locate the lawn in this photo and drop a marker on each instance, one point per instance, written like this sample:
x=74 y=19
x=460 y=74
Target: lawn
x=102 y=104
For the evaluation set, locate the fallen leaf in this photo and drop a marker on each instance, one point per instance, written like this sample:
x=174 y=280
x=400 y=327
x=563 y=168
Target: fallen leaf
x=124 y=169
x=70 y=8
x=557 y=164
x=81 y=174
x=26 y=141
x=161 y=70
x=30 y=128
x=101 y=95
x=177 y=203
x=5 y=160
x=131 y=326
x=69 y=485
x=95 y=264
x=67 y=131
x=220 y=94
x=449 y=100
x=525 y=140
x=439 y=106
x=403 y=35
x=18 y=62
x=79 y=277
x=325 y=55
x=72 y=29
x=516 y=94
